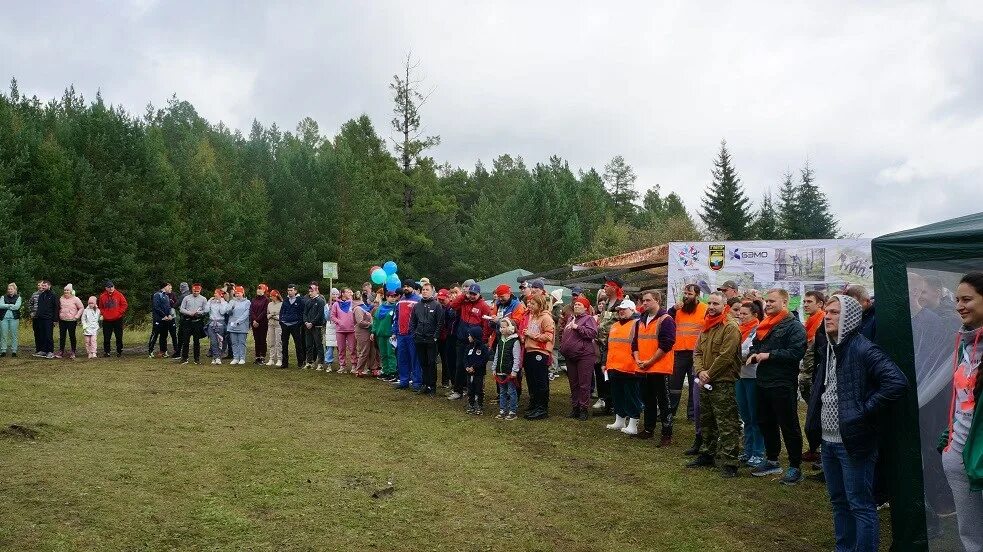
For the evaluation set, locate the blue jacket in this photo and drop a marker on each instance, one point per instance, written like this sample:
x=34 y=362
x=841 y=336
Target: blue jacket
x=161 y=306
x=238 y=316
x=866 y=380
x=292 y=314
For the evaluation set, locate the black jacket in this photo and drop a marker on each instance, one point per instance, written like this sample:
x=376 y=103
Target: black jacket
x=866 y=380
x=868 y=326
x=786 y=345
x=313 y=310
x=426 y=320
x=47 y=306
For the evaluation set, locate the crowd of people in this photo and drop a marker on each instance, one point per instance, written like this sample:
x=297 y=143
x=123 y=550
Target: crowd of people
x=745 y=358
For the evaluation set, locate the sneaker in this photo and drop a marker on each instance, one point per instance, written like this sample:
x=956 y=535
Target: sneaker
x=454 y=396
x=501 y=415
x=71 y=356
x=278 y=364
x=106 y=354
x=306 y=366
x=269 y=362
x=318 y=368
x=3 y=354
x=477 y=411
x=793 y=476
x=766 y=468
x=217 y=361
x=119 y=354
x=328 y=369
x=599 y=405
x=469 y=408
x=184 y=363
x=51 y=356
x=40 y=354
x=197 y=362
x=14 y=355
x=151 y=355
x=755 y=462
x=511 y=416
x=342 y=370
x=56 y=355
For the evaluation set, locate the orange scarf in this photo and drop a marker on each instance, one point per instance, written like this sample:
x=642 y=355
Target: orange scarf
x=770 y=322
x=812 y=324
x=711 y=321
x=747 y=328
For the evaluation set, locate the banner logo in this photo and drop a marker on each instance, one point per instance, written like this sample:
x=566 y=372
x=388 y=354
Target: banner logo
x=688 y=256
x=716 y=259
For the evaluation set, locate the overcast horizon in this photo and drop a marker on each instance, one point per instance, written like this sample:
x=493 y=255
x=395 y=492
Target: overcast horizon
x=884 y=100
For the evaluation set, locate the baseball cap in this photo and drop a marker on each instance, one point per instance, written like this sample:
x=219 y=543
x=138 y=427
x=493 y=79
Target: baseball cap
x=503 y=289
x=627 y=304
x=538 y=283
x=729 y=284
x=474 y=288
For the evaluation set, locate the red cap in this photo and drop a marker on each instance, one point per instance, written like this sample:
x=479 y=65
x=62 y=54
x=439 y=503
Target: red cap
x=503 y=289
x=583 y=301
x=443 y=294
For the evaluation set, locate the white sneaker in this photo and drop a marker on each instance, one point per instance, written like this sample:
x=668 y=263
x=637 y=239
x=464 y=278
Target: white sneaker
x=242 y=361
x=279 y=363
x=632 y=427
x=319 y=368
x=269 y=362
x=600 y=404
x=217 y=361
x=454 y=396
x=619 y=423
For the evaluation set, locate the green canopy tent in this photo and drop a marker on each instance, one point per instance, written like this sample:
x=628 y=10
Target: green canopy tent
x=921 y=339
x=511 y=279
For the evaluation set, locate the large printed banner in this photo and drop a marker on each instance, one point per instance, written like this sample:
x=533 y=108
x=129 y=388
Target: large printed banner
x=797 y=266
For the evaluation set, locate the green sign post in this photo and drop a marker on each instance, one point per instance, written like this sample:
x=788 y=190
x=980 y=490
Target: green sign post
x=329 y=271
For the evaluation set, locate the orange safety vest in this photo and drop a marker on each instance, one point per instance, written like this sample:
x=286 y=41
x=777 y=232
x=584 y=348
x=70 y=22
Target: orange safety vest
x=648 y=345
x=620 y=358
x=688 y=327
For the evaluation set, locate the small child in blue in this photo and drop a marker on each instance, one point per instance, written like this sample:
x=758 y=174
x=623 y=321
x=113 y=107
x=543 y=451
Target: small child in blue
x=508 y=352
x=474 y=365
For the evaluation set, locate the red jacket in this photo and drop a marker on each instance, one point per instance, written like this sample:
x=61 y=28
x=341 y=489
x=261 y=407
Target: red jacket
x=470 y=315
x=113 y=306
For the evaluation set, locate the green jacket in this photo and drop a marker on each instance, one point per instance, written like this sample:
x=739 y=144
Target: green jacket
x=382 y=320
x=718 y=351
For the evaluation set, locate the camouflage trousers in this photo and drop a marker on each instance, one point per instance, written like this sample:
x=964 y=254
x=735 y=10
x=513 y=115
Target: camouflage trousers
x=721 y=423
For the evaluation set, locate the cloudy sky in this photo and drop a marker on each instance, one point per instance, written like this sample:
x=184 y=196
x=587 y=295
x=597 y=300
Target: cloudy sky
x=885 y=99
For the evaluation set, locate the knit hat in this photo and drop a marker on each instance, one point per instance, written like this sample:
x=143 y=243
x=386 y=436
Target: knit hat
x=335 y=292
x=538 y=283
x=408 y=282
x=68 y=287
x=557 y=295
x=183 y=286
x=503 y=290
x=467 y=283
x=474 y=288
x=92 y=301
x=108 y=284
x=583 y=301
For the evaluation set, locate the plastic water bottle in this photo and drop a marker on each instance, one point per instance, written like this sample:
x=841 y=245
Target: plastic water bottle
x=706 y=386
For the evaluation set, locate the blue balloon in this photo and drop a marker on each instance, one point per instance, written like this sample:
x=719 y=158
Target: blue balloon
x=378 y=276
x=389 y=267
x=393 y=282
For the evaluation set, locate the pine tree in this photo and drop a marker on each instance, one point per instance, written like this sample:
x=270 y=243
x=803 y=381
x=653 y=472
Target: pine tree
x=620 y=179
x=765 y=225
x=726 y=209
x=816 y=219
x=406 y=123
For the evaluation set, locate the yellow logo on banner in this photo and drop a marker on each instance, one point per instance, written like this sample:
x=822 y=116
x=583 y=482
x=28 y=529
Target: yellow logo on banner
x=716 y=259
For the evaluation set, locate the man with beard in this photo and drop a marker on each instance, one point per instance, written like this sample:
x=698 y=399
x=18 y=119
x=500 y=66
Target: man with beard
x=717 y=363
x=689 y=319
x=407 y=362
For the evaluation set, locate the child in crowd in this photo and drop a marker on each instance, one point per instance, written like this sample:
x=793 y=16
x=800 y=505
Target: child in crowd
x=217 y=309
x=90 y=326
x=508 y=354
x=474 y=365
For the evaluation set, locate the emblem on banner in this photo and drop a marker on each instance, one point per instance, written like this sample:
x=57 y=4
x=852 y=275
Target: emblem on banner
x=688 y=256
x=716 y=259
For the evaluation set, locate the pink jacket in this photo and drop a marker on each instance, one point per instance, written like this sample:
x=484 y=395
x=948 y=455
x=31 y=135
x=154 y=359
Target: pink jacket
x=344 y=322
x=70 y=309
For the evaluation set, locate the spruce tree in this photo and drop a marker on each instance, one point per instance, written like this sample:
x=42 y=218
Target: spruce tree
x=816 y=219
x=726 y=209
x=789 y=210
x=766 y=222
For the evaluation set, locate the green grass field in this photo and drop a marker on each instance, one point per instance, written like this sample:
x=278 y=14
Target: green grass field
x=140 y=454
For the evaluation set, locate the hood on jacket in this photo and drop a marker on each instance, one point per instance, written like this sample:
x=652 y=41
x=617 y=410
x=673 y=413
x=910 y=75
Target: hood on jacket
x=184 y=287
x=851 y=315
x=475 y=333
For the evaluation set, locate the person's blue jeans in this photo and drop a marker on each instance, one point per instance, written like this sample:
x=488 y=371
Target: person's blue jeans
x=850 y=483
x=747 y=407
x=407 y=362
x=328 y=355
x=508 y=397
x=216 y=333
x=238 y=345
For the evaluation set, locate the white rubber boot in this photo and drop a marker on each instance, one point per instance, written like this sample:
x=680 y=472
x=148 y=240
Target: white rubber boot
x=632 y=427
x=619 y=423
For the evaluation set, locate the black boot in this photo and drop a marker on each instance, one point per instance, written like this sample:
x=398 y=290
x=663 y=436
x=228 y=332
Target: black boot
x=584 y=415
x=574 y=413
x=702 y=461
x=695 y=449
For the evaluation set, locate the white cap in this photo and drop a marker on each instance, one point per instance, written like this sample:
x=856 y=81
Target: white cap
x=627 y=304
x=557 y=295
